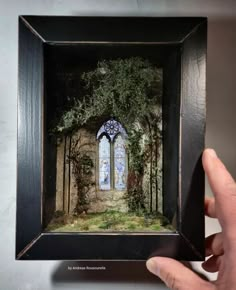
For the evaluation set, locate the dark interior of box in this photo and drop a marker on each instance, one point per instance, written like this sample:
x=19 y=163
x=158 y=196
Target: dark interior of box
x=74 y=58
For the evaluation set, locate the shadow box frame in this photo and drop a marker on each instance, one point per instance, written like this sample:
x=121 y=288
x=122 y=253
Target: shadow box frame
x=181 y=43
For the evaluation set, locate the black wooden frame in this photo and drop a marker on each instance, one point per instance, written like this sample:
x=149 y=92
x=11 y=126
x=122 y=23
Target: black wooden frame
x=188 y=36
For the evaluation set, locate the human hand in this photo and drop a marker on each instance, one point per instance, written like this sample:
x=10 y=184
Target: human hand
x=221 y=246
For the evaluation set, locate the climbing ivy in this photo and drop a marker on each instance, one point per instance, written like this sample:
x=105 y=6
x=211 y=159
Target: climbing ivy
x=129 y=90
x=82 y=166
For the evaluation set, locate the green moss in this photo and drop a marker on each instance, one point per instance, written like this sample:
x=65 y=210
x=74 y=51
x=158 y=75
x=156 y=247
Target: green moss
x=103 y=226
x=131 y=226
x=109 y=221
x=155 y=227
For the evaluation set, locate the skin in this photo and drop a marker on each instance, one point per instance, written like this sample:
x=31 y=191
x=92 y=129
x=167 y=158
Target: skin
x=220 y=247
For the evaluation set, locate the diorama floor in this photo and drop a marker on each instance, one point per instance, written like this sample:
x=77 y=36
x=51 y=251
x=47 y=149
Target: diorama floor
x=110 y=221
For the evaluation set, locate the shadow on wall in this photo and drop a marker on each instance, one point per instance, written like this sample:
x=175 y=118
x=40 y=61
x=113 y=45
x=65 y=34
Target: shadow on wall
x=103 y=271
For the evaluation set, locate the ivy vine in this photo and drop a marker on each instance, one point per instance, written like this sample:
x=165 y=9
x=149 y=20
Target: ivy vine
x=129 y=90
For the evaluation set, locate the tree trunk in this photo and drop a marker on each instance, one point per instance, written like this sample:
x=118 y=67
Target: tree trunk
x=156 y=171
x=64 y=172
x=151 y=163
x=69 y=172
x=151 y=148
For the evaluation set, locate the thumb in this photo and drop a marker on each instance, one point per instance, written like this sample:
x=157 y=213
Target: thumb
x=175 y=275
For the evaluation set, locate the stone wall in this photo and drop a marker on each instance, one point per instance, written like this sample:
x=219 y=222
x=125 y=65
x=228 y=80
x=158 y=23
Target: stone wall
x=66 y=190
x=98 y=201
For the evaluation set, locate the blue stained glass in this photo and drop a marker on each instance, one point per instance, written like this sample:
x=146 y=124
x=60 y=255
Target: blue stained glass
x=112 y=128
x=120 y=163
x=104 y=164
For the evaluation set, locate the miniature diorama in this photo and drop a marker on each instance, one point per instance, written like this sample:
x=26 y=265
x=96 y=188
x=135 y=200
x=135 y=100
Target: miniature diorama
x=110 y=134
x=104 y=171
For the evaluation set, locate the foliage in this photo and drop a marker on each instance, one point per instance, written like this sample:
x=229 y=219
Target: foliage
x=124 y=88
x=82 y=171
x=129 y=90
x=110 y=221
x=136 y=151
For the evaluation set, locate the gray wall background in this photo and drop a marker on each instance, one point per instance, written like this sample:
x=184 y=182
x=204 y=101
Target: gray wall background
x=221 y=133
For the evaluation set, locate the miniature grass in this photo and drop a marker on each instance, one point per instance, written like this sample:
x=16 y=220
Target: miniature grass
x=110 y=221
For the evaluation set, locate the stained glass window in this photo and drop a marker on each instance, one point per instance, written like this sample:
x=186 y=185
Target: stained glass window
x=112 y=156
x=112 y=128
x=104 y=164
x=120 y=162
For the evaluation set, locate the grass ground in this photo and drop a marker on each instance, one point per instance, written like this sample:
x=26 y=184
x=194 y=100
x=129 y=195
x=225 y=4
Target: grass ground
x=110 y=221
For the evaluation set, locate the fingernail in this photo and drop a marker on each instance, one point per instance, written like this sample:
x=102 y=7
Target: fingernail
x=153 y=267
x=212 y=152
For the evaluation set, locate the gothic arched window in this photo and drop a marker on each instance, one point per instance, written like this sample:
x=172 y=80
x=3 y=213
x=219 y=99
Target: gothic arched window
x=112 y=169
